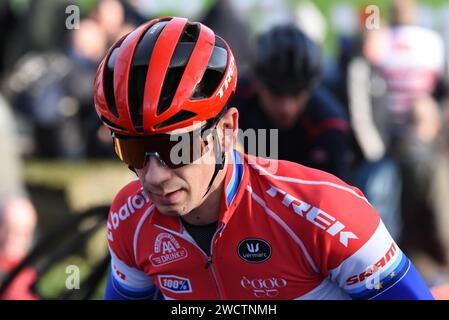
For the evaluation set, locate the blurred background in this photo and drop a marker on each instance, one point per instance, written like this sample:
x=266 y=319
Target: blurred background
x=383 y=68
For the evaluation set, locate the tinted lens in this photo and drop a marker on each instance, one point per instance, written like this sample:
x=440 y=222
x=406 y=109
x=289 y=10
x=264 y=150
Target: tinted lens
x=175 y=150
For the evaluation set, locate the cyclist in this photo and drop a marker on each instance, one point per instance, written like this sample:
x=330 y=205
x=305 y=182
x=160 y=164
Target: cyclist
x=221 y=224
x=283 y=91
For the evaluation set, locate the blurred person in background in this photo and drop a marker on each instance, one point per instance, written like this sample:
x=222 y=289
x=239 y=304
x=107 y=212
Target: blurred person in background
x=224 y=18
x=409 y=59
x=283 y=92
x=111 y=16
x=38 y=26
x=424 y=163
x=17 y=214
x=17 y=226
x=53 y=91
x=394 y=91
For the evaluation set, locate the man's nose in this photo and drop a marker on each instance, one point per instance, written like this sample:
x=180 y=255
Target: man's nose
x=155 y=173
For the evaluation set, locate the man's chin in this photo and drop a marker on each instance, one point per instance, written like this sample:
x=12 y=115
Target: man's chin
x=171 y=210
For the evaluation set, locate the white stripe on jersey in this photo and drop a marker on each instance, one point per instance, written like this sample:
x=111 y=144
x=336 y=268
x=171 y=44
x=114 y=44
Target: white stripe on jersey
x=131 y=279
x=378 y=247
x=139 y=226
x=309 y=182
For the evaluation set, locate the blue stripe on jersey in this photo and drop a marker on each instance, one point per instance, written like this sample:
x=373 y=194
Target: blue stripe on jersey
x=237 y=174
x=375 y=284
x=117 y=291
x=410 y=287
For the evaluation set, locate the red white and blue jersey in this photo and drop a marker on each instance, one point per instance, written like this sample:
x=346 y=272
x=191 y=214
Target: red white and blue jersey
x=410 y=59
x=289 y=233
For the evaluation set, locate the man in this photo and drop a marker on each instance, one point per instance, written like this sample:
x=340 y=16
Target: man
x=17 y=226
x=18 y=216
x=407 y=62
x=283 y=93
x=220 y=224
x=396 y=92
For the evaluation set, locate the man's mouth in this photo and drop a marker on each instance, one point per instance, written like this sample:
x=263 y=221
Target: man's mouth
x=167 y=198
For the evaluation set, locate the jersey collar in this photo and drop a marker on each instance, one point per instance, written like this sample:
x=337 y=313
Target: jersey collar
x=233 y=182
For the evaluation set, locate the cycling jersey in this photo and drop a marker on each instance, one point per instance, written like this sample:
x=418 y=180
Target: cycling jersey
x=410 y=59
x=289 y=233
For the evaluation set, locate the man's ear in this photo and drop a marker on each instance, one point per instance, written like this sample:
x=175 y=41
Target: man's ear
x=230 y=118
x=229 y=127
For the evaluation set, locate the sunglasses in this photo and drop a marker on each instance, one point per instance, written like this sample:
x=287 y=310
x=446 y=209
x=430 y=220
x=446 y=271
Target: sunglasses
x=171 y=150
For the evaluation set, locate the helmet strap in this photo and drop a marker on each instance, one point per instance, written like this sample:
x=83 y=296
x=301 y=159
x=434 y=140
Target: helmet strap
x=133 y=170
x=220 y=158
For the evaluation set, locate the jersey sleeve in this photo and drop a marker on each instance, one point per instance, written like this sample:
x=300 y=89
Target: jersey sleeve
x=126 y=281
x=346 y=239
x=380 y=270
x=356 y=251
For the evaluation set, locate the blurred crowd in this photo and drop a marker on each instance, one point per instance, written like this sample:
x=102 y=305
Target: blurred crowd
x=374 y=111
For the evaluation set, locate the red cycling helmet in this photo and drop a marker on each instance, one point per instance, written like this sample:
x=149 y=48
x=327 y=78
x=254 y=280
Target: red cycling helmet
x=163 y=76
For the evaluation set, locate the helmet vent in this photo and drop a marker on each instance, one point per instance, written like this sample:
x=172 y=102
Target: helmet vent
x=214 y=73
x=180 y=116
x=206 y=87
x=111 y=124
x=176 y=70
x=138 y=72
x=191 y=32
x=108 y=80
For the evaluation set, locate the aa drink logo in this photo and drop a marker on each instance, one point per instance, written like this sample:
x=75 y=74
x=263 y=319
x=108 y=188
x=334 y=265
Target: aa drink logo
x=166 y=250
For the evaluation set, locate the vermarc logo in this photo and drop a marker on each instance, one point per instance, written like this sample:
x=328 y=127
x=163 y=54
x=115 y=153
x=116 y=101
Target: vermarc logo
x=254 y=250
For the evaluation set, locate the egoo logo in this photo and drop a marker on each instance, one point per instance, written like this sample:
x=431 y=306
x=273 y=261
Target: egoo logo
x=264 y=287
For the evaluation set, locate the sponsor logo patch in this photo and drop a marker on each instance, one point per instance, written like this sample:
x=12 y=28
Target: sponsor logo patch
x=127 y=209
x=363 y=276
x=254 y=250
x=166 y=250
x=175 y=284
x=228 y=78
x=316 y=216
x=264 y=287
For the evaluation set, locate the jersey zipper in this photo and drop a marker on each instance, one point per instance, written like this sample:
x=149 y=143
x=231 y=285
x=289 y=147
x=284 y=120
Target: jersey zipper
x=210 y=262
x=209 y=258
